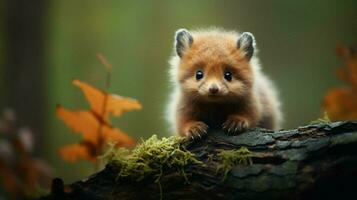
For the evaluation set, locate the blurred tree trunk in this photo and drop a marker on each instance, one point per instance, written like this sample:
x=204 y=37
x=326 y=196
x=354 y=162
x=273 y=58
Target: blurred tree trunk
x=25 y=77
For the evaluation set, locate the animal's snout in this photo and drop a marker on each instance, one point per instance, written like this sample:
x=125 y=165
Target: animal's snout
x=213 y=89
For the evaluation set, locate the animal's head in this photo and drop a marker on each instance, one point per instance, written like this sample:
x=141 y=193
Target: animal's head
x=214 y=65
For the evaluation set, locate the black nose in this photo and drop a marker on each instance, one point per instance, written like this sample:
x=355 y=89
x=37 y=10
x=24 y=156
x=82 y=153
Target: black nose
x=213 y=89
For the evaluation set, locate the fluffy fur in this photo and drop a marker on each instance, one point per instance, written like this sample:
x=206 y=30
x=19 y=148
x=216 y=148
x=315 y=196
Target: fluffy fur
x=232 y=94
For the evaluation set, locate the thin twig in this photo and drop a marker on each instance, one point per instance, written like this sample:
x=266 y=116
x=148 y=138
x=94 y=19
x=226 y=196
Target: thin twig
x=100 y=144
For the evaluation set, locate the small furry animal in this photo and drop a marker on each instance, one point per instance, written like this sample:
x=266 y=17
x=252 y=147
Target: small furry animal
x=218 y=84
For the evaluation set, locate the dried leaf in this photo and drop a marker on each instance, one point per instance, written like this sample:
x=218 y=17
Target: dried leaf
x=20 y=171
x=341 y=103
x=115 y=104
x=74 y=152
x=94 y=124
x=86 y=123
x=26 y=138
x=104 y=61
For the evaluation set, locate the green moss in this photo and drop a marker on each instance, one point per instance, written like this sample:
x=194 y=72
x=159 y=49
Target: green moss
x=150 y=157
x=230 y=158
x=324 y=119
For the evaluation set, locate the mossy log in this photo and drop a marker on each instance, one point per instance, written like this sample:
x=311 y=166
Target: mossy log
x=311 y=162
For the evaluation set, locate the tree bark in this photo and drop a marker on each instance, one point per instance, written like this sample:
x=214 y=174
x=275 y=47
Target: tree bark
x=310 y=162
x=24 y=37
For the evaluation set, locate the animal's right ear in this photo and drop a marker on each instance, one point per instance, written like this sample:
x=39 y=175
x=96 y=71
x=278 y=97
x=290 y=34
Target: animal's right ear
x=246 y=43
x=183 y=40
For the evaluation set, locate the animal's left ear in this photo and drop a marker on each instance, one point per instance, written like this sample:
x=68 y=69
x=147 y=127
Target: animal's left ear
x=246 y=43
x=183 y=40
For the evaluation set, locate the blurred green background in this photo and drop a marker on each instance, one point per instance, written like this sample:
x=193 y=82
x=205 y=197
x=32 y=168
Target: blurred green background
x=46 y=44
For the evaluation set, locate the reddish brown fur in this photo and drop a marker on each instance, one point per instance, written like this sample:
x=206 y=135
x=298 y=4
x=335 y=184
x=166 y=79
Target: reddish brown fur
x=242 y=104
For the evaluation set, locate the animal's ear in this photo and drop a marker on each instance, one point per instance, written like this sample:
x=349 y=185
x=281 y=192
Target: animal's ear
x=246 y=43
x=183 y=40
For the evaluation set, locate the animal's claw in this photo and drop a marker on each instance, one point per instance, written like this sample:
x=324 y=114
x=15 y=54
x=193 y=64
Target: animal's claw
x=235 y=124
x=196 y=129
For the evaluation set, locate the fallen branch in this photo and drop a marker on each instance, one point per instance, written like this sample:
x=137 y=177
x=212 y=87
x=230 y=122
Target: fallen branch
x=310 y=162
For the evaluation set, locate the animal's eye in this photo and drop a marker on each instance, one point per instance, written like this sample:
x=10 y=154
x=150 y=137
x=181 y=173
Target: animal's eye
x=199 y=75
x=228 y=75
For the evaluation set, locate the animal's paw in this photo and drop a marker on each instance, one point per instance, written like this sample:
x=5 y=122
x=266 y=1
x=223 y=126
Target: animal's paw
x=195 y=130
x=235 y=124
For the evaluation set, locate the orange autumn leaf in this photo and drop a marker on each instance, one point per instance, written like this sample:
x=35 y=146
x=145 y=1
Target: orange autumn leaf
x=74 y=152
x=341 y=103
x=87 y=126
x=348 y=73
x=114 y=104
x=85 y=123
x=94 y=124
